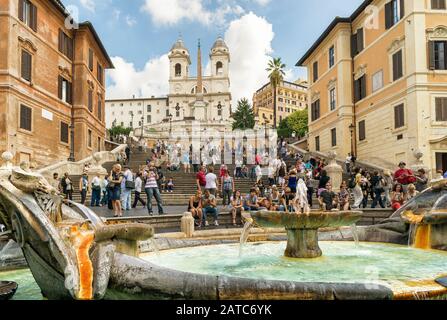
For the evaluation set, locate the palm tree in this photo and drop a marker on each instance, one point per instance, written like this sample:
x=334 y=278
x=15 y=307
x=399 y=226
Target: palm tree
x=276 y=76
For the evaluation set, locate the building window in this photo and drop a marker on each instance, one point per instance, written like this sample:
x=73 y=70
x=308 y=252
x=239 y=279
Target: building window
x=99 y=144
x=64 y=132
x=65 y=45
x=90 y=100
x=149 y=119
x=100 y=74
x=332 y=99
x=178 y=70
x=441 y=109
x=64 y=90
x=438 y=55
x=377 y=81
x=26 y=65
x=122 y=124
x=149 y=108
x=28 y=14
x=219 y=68
x=167 y=113
x=399 y=116
x=315 y=110
x=131 y=124
x=140 y=112
x=394 y=12
x=334 y=137
x=25 y=118
x=90 y=59
x=99 y=107
x=317 y=143
x=357 y=44
x=360 y=88
x=140 y=123
x=397 y=65
x=89 y=138
x=315 y=71
x=438 y=4
x=331 y=56
x=362 y=130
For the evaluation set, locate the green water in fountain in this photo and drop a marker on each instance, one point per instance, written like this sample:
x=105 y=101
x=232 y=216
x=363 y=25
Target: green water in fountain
x=343 y=262
x=28 y=288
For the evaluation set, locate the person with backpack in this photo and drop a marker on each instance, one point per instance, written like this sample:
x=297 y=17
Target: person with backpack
x=96 y=192
x=83 y=187
x=127 y=185
x=377 y=184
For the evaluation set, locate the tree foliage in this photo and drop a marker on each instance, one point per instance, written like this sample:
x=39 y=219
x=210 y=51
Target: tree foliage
x=276 y=76
x=119 y=130
x=244 y=117
x=297 y=121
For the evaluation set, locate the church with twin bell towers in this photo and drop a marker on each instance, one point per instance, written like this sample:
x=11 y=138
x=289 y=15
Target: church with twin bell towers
x=206 y=99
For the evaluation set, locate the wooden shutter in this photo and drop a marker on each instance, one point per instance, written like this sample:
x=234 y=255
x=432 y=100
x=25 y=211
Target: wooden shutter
x=389 y=15
x=99 y=107
x=360 y=45
x=90 y=100
x=431 y=55
x=315 y=69
x=362 y=130
x=61 y=41
x=402 y=8
x=25 y=117
x=70 y=48
x=21 y=5
x=334 y=137
x=441 y=109
x=59 y=87
x=399 y=116
x=33 y=15
x=64 y=132
x=90 y=59
x=69 y=92
x=363 y=87
x=353 y=45
x=397 y=65
x=26 y=66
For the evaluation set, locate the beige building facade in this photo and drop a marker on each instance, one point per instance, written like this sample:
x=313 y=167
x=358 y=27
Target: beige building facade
x=291 y=97
x=378 y=84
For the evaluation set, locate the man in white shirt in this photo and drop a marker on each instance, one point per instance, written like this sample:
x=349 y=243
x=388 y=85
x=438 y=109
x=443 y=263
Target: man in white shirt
x=348 y=163
x=138 y=189
x=96 y=192
x=258 y=172
x=126 y=192
x=212 y=182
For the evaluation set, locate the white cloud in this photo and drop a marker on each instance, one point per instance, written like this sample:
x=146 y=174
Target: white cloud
x=127 y=81
x=171 y=12
x=116 y=13
x=249 y=39
x=88 y=4
x=131 y=21
x=262 y=2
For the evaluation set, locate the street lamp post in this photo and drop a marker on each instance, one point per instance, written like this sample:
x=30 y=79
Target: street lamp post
x=351 y=129
x=266 y=122
x=170 y=123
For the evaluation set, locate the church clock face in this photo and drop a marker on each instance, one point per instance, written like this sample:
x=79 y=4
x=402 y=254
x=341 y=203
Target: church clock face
x=178 y=88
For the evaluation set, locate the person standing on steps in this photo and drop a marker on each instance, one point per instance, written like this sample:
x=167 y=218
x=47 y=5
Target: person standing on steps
x=212 y=183
x=83 y=187
x=114 y=185
x=151 y=188
x=127 y=151
x=96 y=192
x=67 y=187
x=138 y=189
x=127 y=185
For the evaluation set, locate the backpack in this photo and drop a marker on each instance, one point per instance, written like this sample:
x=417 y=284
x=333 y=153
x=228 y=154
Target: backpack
x=352 y=184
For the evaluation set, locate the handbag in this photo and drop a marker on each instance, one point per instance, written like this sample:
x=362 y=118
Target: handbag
x=130 y=184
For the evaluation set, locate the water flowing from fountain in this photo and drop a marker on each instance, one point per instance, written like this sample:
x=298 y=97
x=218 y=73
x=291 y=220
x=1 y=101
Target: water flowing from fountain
x=154 y=245
x=355 y=234
x=244 y=235
x=411 y=233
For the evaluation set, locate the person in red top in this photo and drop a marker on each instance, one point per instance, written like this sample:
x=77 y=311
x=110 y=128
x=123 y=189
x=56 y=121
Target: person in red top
x=404 y=176
x=200 y=178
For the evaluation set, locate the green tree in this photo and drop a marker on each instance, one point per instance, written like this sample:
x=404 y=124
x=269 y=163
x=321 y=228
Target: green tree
x=244 y=117
x=297 y=121
x=276 y=76
x=118 y=130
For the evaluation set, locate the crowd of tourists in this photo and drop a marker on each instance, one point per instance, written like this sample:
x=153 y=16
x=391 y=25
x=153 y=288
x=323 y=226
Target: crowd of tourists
x=287 y=188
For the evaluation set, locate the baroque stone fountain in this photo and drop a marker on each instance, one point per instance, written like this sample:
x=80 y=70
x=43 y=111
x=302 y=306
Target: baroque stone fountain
x=302 y=228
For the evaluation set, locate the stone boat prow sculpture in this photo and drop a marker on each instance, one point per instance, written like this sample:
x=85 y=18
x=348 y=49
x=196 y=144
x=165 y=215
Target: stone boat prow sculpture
x=69 y=249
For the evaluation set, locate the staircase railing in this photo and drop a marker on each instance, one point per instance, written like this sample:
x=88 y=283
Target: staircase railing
x=77 y=168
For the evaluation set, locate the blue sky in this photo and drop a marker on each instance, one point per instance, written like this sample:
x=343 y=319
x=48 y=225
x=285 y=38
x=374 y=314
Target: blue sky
x=138 y=34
